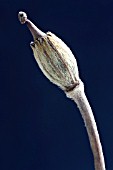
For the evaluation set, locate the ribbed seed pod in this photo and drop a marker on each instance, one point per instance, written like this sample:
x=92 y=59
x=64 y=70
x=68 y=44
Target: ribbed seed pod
x=53 y=56
x=56 y=61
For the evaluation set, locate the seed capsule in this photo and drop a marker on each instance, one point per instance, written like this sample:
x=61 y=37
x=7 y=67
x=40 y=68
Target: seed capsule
x=53 y=56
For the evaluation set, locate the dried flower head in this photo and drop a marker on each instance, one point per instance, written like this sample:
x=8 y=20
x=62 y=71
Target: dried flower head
x=53 y=56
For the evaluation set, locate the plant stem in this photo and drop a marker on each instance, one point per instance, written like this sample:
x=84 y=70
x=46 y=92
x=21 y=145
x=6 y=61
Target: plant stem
x=59 y=65
x=80 y=99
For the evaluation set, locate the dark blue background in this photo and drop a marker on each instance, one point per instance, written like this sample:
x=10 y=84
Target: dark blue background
x=40 y=129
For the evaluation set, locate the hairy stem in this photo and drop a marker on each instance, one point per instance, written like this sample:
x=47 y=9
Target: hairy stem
x=80 y=99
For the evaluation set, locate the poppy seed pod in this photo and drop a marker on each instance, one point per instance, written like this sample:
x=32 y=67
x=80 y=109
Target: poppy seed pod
x=53 y=56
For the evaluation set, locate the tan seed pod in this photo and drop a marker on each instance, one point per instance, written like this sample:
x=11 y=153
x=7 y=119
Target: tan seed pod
x=56 y=61
x=53 y=56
